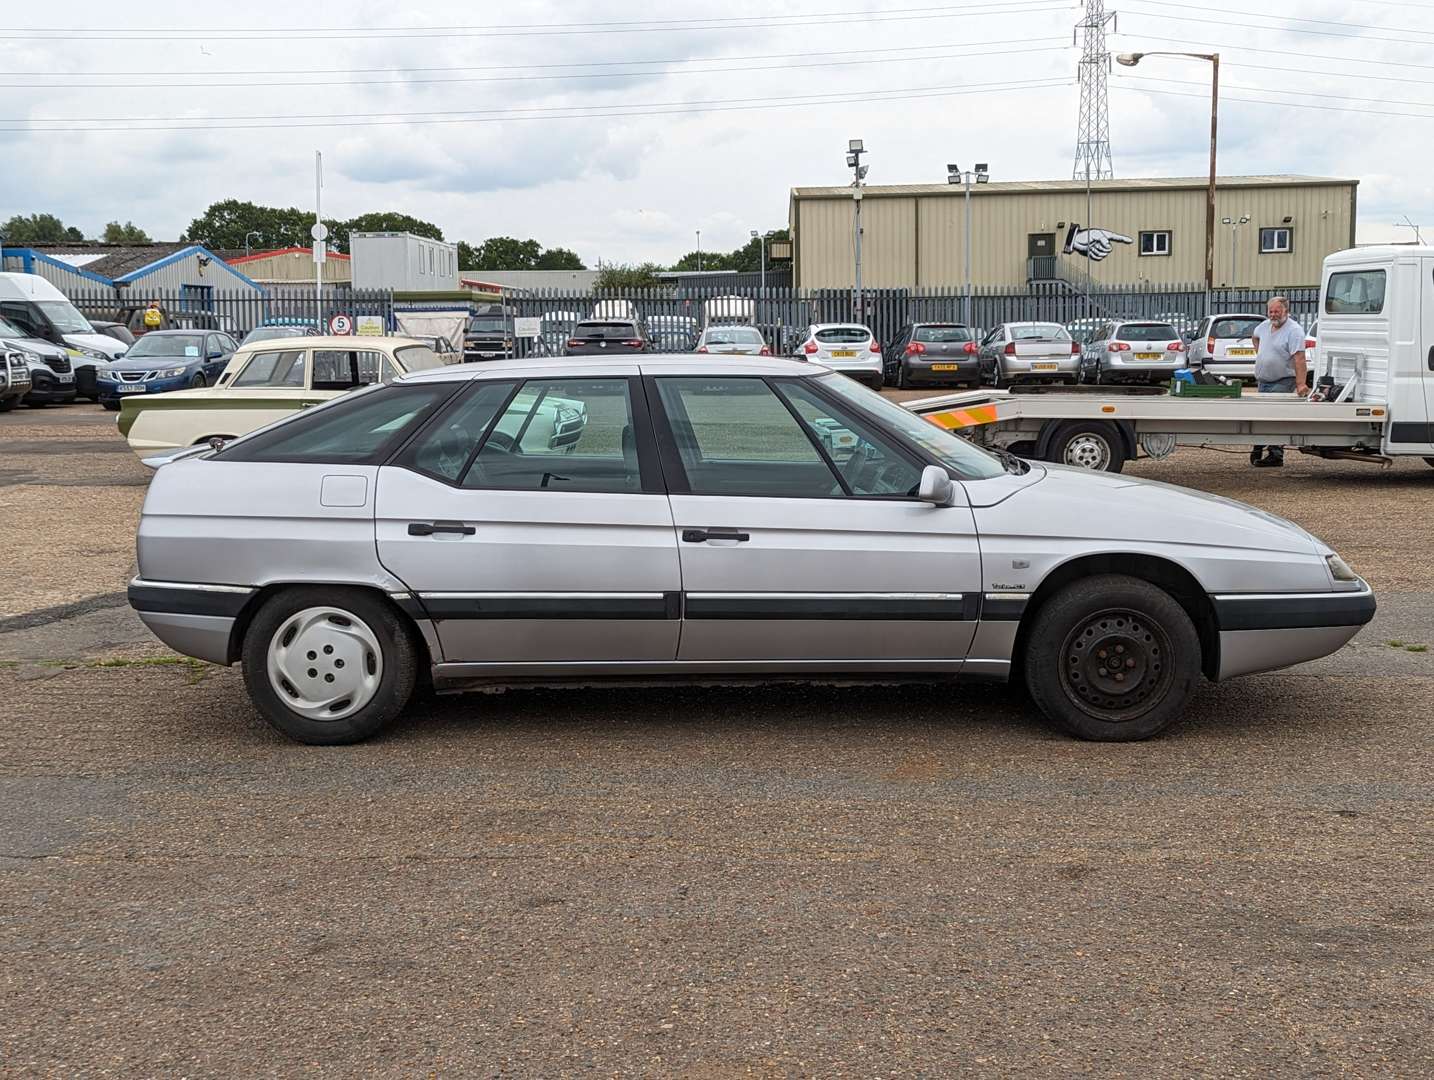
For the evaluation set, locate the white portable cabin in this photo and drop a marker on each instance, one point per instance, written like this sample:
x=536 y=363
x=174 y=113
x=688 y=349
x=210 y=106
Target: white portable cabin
x=402 y=262
x=1376 y=336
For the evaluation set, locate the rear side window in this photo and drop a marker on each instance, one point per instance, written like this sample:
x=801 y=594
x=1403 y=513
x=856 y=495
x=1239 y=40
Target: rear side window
x=1355 y=292
x=938 y=335
x=844 y=335
x=1234 y=328
x=1147 y=332
x=361 y=429
x=277 y=369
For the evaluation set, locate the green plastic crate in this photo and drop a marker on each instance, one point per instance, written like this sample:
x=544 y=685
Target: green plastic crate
x=1180 y=388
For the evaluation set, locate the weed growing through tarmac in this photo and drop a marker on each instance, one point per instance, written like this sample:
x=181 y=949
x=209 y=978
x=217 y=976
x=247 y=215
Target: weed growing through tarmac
x=1395 y=643
x=197 y=670
x=1416 y=648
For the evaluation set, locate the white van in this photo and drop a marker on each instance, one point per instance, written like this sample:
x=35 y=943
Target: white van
x=42 y=311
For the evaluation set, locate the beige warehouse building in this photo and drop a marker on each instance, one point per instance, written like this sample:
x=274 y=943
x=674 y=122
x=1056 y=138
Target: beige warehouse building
x=913 y=235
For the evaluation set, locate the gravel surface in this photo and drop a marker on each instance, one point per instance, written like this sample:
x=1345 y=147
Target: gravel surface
x=821 y=881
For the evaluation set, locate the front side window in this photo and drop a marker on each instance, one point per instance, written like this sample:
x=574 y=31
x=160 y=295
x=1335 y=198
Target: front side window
x=1278 y=241
x=447 y=449
x=1155 y=242
x=1355 y=292
x=357 y=429
x=562 y=435
x=284 y=370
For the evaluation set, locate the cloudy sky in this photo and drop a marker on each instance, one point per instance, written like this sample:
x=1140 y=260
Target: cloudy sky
x=620 y=129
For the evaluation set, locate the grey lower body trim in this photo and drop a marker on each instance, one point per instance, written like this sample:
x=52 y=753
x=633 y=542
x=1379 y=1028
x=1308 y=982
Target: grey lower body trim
x=204 y=637
x=679 y=668
x=1243 y=652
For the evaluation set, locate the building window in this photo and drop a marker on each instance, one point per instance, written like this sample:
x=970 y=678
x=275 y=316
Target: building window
x=1276 y=241
x=1155 y=243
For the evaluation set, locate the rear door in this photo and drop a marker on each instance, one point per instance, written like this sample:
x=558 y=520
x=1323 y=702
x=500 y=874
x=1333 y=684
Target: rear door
x=800 y=536
x=1045 y=346
x=531 y=521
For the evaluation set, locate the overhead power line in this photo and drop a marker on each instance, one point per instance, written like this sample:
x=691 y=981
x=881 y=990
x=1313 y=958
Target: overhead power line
x=578 y=76
x=1325 y=96
x=572 y=112
x=1266 y=15
x=756 y=22
x=1167 y=16
x=1286 y=104
x=1227 y=46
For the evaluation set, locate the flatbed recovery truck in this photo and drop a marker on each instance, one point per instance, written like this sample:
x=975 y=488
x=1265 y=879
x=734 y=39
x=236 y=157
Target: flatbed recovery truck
x=1375 y=367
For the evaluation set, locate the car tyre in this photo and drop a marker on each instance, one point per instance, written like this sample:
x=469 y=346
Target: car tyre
x=8 y=403
x=36 y=404
x=110 y=406
x=198 y=382
x=1101 y=629
x=349 y=639
x=903 y=380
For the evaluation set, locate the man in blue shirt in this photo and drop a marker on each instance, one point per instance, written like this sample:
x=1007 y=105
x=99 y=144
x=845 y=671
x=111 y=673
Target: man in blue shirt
x=1280 y=366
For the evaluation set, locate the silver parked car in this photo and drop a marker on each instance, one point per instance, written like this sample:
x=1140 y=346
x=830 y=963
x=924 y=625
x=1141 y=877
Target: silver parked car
x=1222 y=344
x=732 y=340
x=1030 y=352
x=849 y=348
x=709 y=518
x=1137 y=350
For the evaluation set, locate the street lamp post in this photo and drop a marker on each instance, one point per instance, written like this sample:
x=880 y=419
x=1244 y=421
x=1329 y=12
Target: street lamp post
x=699 y=251
x=854 y=149
x=955 y=175
x=762 y=247
x=1234 y=225
x=251 y=232
x=1130 y=60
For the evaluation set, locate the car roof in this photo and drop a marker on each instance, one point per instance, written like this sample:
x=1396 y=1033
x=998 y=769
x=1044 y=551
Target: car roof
x=316 y=341
x=1240 y=315
x=646 y=363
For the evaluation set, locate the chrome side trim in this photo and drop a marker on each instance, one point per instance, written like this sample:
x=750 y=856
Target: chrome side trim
x=189 y=586
x=822 y=596
x=540 y=595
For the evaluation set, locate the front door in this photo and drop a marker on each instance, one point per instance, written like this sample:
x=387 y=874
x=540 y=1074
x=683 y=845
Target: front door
x=532 y=524
x=800 y=536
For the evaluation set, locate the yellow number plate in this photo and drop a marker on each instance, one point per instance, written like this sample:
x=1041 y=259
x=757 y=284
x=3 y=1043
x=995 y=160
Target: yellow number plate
x=1147 y=356
x=1044 y=367
x=1239 y=352
x=945 y=367
x=843 y=352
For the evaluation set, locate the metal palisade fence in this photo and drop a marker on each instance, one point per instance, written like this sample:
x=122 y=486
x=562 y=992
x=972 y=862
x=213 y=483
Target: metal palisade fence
x=674 y=315
x=235 y=311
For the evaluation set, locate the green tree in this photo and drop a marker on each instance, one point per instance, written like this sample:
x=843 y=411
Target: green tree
x=226 y=224
x=745 y=259
x=381 y=221
x=622 y=276
x=38 y=229
x=128 y=233
x=507 y=253
x=559 y=259
x=467 y=256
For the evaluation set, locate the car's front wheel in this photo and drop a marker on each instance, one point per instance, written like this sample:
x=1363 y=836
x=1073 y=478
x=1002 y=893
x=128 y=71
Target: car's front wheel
x=327 y=666
x=1112 y=658
x=111 y=406
x=198 y=382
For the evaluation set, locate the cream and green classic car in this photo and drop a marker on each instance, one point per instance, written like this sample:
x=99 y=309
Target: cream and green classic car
x=264 y=382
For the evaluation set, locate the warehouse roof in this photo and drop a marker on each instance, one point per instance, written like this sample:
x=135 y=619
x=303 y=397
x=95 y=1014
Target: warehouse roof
x=1027 y=187
x=109 y=260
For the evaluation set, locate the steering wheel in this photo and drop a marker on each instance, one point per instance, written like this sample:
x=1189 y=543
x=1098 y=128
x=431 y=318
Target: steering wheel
x=856 y=464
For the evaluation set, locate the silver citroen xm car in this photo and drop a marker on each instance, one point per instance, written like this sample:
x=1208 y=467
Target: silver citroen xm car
x=710 y=517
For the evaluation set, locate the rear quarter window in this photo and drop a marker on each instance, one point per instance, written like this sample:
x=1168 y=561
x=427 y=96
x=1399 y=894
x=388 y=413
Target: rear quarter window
x=1355 y=292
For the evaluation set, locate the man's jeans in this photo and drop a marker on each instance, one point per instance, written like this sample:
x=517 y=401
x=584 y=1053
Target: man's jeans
x=1279 y=386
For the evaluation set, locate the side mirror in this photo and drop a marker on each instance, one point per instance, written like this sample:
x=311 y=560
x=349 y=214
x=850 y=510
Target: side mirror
x=936 y=487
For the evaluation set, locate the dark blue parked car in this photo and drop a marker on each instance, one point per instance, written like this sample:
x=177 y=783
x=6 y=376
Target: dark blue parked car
x=166 y=360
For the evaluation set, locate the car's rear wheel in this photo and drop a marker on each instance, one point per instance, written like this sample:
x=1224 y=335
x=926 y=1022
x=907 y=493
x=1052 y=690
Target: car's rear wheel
x=327 y=666
x=1112 y=658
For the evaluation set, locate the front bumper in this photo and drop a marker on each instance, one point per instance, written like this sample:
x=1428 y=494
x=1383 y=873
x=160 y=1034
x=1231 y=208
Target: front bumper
x=46 y=389
x=1266 y=631
x=109 y=390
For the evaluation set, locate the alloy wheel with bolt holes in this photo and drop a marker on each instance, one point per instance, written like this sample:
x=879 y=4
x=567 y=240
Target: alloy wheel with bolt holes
x=1111 y=658
x=329 y=664
x=326 y=663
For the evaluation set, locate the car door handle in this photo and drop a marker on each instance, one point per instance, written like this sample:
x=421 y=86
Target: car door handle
x=701 y=536
x=427 y=528
x=1431 y=357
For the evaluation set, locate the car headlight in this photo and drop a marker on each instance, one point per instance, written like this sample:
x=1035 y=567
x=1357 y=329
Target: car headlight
x=169 y=373
x=1339 y=569
x=94 y=354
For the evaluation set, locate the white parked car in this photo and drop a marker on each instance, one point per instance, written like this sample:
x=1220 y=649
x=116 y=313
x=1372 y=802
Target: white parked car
x=846 y=347
x=266 y=381
x=710 y=518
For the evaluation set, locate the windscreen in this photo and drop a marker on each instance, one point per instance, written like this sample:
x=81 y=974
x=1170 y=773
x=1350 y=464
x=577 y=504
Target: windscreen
x=1147 y=332
x=844 y=335
x=166 y=345
x=733 y=335
x=1234 y=328
x=1039 y=332
x=9 y=329
x=487 y=324
x=938 y=335
x=64 y=317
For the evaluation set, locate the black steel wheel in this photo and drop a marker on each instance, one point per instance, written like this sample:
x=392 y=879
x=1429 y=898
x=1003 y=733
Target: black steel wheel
x=1112 y=658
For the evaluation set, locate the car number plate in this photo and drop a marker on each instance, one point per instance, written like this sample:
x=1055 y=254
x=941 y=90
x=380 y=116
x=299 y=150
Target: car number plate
x=843 y=353
x=1239 y=352
x=130 y=388
x=65 y=377
x=1045 y=367
x=945 y=367
x=1147 y=356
